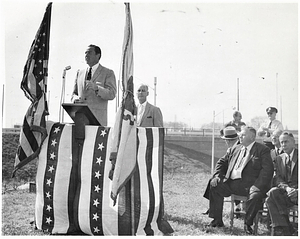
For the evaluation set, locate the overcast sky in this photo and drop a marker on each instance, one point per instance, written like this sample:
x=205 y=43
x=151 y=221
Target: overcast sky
x=196 y=50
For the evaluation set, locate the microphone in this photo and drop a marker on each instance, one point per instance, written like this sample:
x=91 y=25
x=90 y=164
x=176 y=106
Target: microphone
x=66 y=68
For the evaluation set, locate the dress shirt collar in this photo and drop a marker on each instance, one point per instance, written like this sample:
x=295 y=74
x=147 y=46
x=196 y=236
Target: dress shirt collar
x=249 y=147
x=144 y=104
x=94 y=68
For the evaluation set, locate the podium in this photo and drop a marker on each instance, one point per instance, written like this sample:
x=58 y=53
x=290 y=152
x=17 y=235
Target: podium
x=82 y=116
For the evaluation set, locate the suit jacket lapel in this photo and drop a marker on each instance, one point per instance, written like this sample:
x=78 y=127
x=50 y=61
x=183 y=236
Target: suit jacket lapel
x=97 y=72
x=250 y=156
x=294 y=159
x=232 y=161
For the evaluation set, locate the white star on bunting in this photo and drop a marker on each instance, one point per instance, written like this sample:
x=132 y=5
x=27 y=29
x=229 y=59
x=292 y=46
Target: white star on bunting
x=48 y=195
x=97 y=174
x=53 y=142
x=49 y=181
x=100 y=146
x=99 y=160
x=51 y=168
x=97 y=189
x=49 y=208
x=48 y=220
x=56 y=130
x=52 y=156
x=96 y=229
x=103 y=133
x=96 y=202
x=95 y=216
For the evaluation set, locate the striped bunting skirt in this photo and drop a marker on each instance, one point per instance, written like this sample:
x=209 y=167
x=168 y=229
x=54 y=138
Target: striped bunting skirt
x=73 y=196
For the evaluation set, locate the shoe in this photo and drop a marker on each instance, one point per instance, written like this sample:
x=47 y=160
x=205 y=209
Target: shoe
x=248 y=229
x=206 y=212
x=216 y=223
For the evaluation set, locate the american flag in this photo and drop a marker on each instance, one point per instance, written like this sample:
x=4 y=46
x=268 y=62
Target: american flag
x=74 y=197
x=34 y=85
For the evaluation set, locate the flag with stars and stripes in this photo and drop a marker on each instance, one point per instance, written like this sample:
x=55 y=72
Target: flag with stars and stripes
x=74 y=197
x=34 y=85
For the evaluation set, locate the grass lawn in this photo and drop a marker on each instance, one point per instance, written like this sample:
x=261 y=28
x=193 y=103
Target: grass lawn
x=185 y=179
x=17 y=213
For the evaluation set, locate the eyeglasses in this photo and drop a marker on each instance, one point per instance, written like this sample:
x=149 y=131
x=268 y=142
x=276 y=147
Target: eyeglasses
x=141 y=90
x=269 y=113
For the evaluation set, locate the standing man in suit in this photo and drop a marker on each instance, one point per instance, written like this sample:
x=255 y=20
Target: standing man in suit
x=150 y=116
x=247 y=171
x=95 y=85
x=285 y=192
x=269 y=127
x=147 y=115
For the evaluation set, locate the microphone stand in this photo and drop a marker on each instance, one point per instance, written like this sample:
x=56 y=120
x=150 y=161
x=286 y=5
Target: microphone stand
x=62 y=98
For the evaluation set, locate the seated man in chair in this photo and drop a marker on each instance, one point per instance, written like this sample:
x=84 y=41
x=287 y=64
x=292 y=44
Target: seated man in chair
x=248 y=172
x=285 y=193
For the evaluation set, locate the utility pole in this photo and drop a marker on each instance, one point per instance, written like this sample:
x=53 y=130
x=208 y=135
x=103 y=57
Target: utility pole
x=155 y=82
x=277 y=90
x=2 y=104
x=238 y=95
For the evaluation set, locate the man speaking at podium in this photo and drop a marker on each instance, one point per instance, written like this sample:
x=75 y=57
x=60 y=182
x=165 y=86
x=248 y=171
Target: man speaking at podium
x=95 y=85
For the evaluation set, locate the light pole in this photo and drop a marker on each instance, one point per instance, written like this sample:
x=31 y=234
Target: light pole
x=213 y=145
x=155 y=82
x=238 y=95
x=213 y=138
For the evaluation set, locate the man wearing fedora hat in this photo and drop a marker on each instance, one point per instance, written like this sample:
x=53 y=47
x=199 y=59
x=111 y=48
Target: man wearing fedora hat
x=247 y=171
x=266 y=129
x=229 y=134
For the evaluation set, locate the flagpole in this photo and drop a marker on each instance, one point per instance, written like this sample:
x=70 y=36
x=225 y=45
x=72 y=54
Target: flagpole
x=132 y=206
x=2 y=104
x=48 y=103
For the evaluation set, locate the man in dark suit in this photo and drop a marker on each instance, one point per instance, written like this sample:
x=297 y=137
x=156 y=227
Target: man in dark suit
x=277 y=148
x=147 y=115
x=247 y=171
x=95 y=85
x=285 y=192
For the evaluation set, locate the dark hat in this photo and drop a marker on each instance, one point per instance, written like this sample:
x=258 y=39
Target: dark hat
x=271 y=110
x=229 y=133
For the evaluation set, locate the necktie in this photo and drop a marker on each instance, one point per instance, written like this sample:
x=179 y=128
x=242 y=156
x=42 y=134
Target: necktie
x=269 y=127
x=239 y=162
x=89 y=76
x=140 y=114
x=288 y=168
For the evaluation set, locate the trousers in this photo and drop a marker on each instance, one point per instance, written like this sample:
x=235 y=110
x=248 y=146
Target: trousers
x=278 y=204
x=225 y=189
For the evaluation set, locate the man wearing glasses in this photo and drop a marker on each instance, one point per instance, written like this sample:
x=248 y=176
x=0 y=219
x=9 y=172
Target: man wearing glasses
x=147 y=115
x=269 y=127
